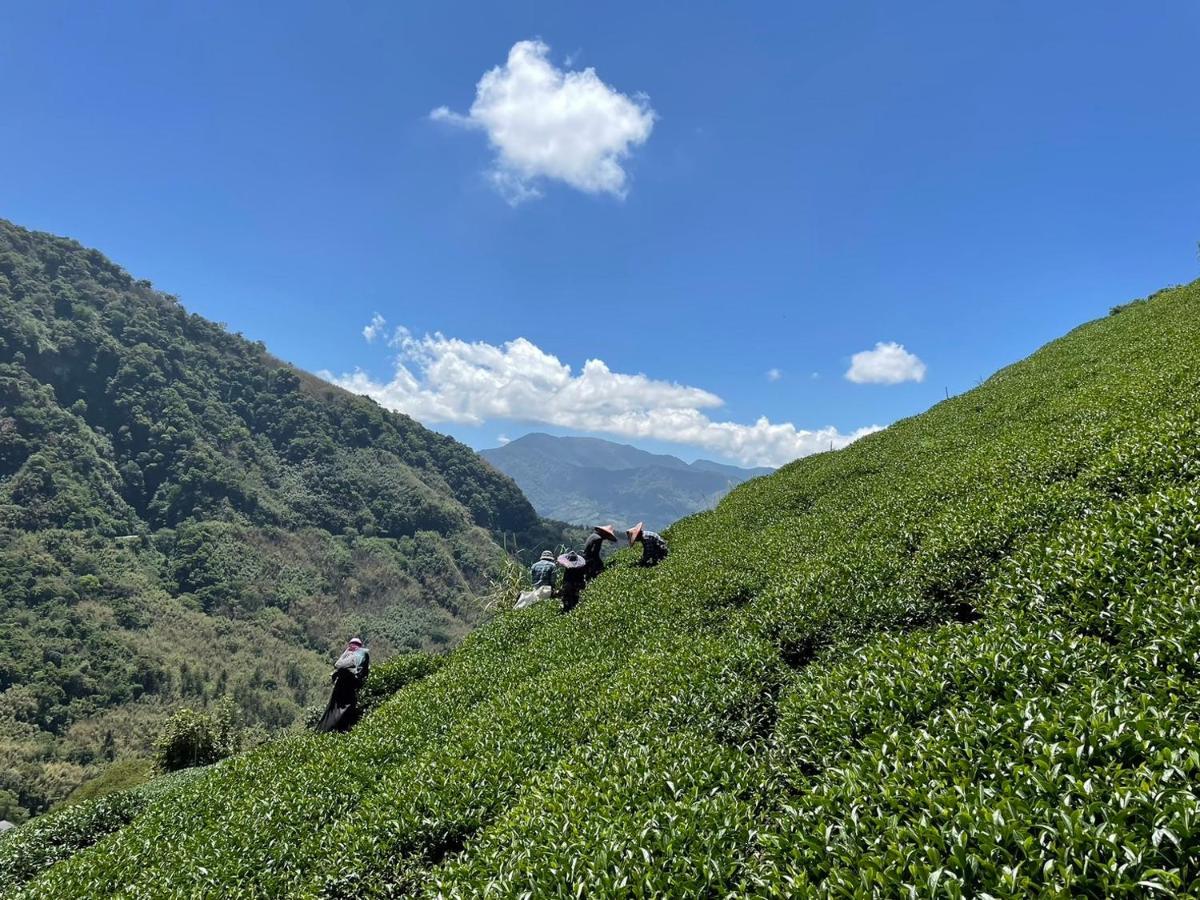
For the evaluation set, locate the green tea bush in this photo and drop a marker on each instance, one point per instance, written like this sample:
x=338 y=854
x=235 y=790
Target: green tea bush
x=190 y=738
x=958 y=658
x=40 y=843
x=387 y=678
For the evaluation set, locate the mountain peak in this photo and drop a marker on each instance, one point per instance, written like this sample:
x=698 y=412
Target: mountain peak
x=585 y=479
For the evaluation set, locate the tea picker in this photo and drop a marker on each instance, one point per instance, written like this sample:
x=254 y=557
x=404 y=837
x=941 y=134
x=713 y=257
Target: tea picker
x=574 y=578
x=544 y=572
x=349 y=674
x=654 y=548
x=591 y=549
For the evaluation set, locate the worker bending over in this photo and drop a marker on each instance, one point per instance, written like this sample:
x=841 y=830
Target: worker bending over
x=591 y=550
x=654 y=548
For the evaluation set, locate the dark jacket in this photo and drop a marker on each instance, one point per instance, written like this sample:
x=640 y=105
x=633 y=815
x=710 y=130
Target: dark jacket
x=591 y=552
x=572 y=584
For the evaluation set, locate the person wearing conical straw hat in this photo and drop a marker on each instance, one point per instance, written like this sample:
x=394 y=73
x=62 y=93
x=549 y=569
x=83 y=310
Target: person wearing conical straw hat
x=574 y=573
x=654 y=548
x=591 y=549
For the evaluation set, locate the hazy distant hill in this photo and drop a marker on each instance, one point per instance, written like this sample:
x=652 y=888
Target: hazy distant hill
x=588 y=480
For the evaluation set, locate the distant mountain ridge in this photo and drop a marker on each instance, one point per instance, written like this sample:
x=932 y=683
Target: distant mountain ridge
x=587 y=480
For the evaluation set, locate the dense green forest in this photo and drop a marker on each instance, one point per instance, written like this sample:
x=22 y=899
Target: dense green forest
x=183 y=517
x=958 y=658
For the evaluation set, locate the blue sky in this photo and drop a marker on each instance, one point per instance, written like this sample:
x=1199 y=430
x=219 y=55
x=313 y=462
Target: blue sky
x=794 y=184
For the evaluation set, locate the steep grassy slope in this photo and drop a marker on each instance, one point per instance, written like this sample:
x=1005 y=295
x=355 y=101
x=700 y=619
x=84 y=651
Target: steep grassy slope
x=182 y=516
x=957 y=657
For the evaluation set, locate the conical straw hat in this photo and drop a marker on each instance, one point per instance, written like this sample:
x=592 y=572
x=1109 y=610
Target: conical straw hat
x=571 y=560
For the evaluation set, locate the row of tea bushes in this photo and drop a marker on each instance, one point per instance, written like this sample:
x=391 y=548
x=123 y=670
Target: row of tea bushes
x=27 y=851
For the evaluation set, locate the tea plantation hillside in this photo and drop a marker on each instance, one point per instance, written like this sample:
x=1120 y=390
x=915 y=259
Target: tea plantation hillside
x=958 y=658
x=183 y=517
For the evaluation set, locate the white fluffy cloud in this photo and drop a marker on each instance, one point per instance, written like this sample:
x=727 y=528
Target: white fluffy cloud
x=441 y=379
x=888 y=363
x=374 y=328
x=774 y=374
x=547 y=123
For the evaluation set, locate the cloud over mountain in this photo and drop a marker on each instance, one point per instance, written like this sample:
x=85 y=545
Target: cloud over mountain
x=442 y=379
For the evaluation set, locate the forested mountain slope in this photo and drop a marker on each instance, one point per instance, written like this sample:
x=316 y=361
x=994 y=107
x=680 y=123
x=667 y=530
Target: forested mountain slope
x=588 y=480
x=957 y=658
x=182 y=516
